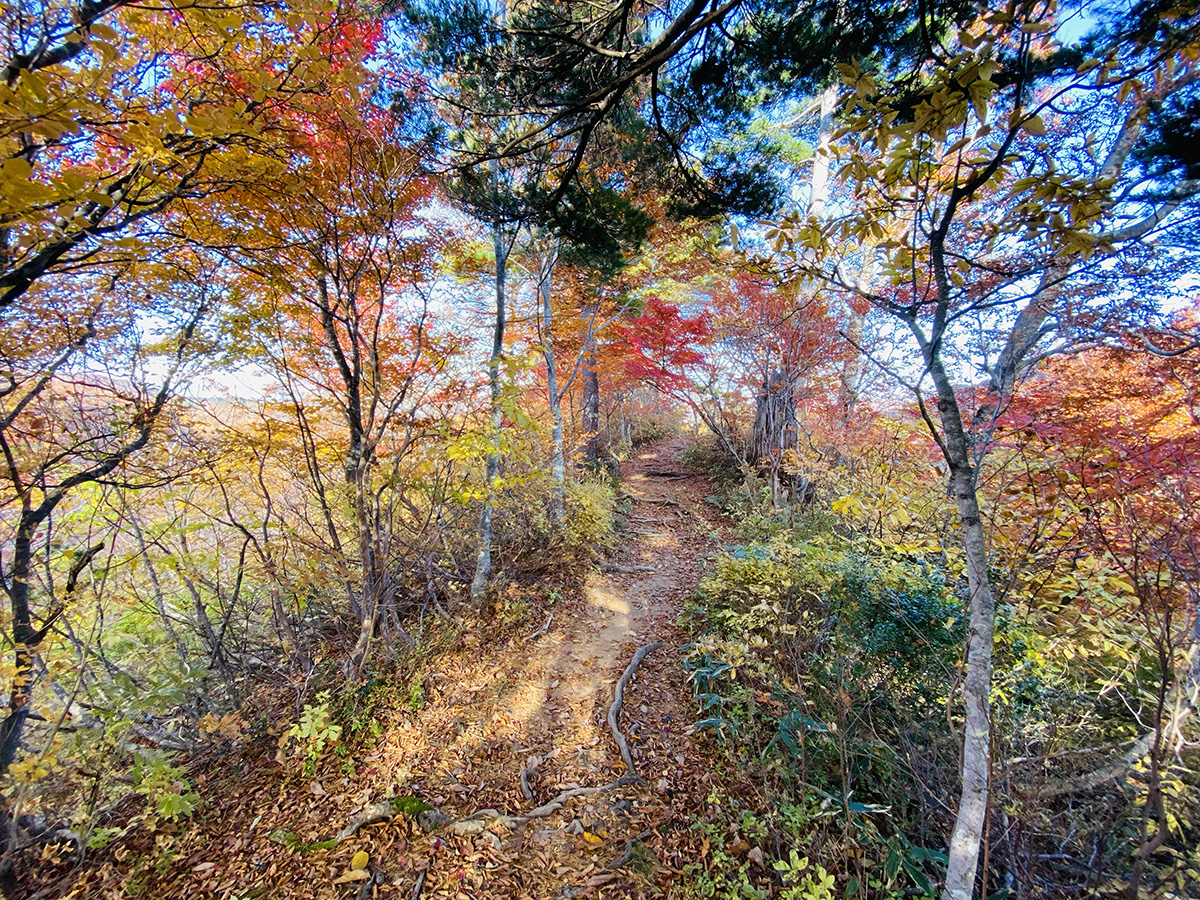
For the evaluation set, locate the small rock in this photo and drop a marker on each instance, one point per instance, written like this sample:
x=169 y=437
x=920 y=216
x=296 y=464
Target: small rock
x=576 y=827
x=431 y=820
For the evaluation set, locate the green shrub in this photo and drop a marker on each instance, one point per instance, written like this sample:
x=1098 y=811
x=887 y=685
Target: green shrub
x=820 y=658
x=527 y=544
x=313 y=734
x=163 y=785
x=590 y=513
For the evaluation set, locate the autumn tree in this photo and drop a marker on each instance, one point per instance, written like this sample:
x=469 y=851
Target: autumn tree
x=115 y=115
x=997 y=225
x=335 y=286
x=79 y=406
x=1096 y=539
x=114 y=112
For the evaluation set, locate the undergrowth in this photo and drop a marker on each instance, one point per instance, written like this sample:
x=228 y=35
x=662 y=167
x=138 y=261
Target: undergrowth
x=825 y=665
x=809 y=661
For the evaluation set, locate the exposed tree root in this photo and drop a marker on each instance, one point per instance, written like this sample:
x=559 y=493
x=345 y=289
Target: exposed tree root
x=480 y=820
x=528 y=769
x=624 y=858
x=377 y=812
x=367 y=890
x=544 y=630
x=614 y=711
x=476 y=822
x=626 y=570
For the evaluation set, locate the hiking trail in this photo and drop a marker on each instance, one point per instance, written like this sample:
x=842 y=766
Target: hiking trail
x=505 y=723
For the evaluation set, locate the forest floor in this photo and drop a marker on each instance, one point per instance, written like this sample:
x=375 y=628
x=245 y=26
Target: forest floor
x=459 y=733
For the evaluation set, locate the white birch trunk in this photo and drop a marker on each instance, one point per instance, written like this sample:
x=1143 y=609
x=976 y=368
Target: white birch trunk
x=483 y=562
x=557 y=456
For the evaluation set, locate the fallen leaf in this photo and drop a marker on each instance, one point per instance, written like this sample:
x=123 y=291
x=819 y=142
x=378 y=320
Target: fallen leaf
x=360 y=860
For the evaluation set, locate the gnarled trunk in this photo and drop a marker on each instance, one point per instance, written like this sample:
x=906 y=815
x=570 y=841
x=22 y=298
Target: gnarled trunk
x=776 y=430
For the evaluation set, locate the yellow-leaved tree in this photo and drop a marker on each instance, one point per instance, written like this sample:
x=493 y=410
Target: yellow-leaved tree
x=113 y=116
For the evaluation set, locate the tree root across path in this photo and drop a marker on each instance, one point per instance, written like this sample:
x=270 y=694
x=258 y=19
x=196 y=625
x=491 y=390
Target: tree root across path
x=430 y=819
x=614 y=711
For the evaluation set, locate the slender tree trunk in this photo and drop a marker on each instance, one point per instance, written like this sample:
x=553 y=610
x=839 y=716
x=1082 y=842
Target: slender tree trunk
x=291 y=643
x=369 y=586
x=966 y=840
x=621 y=420
x=160 y=601
x=208 y=636
x=819 y=193
x=852 y=369
x=591 y=397
x=817 y=199
x=25 y=639
x=483 y=562
x=557 y=456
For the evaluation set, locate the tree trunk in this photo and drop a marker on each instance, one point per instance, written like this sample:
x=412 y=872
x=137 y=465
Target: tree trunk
x=160 y=601
x=819 y=192
x=483 y=562
x=850 y=377
x=977 y=684
x=591 y=398
x=283 y=624
x=557 y=457
x=370 y=585
x=775 y=431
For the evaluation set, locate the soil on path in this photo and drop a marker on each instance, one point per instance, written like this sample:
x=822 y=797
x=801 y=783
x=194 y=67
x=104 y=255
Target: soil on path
x=481 y=714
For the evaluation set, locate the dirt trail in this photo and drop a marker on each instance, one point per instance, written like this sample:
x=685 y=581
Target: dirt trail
x=482 y=714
